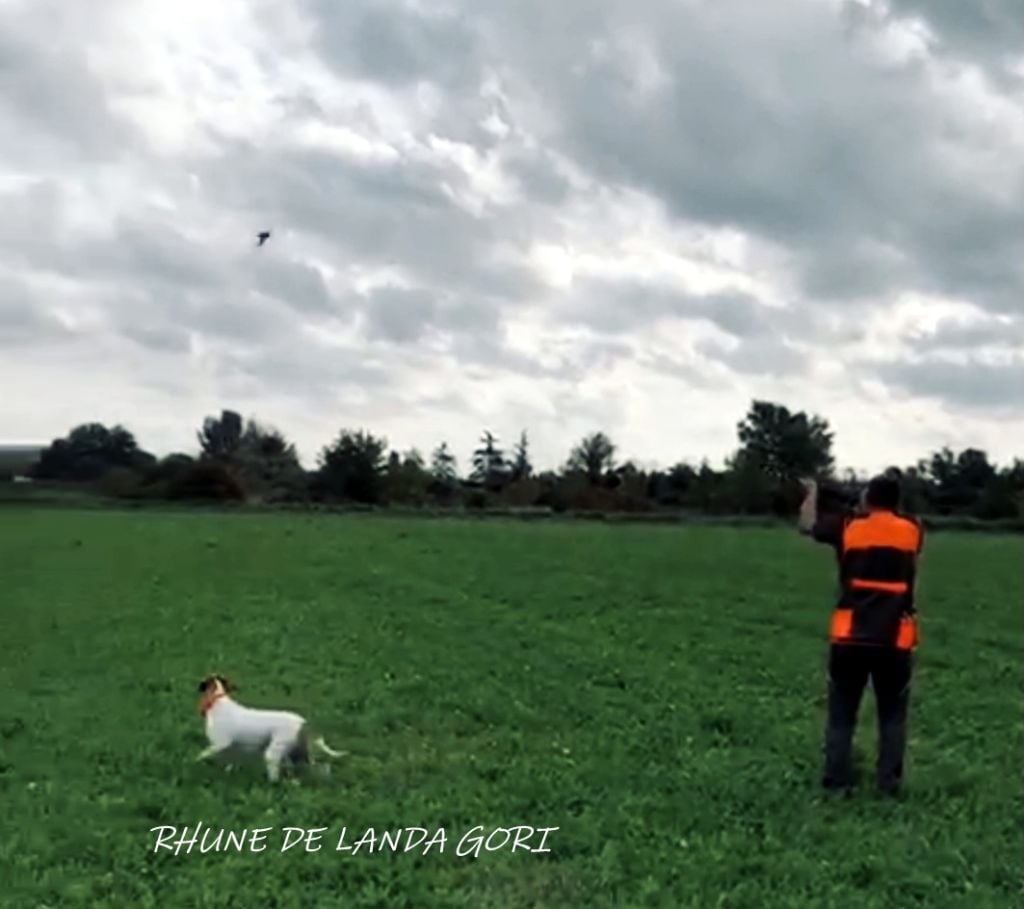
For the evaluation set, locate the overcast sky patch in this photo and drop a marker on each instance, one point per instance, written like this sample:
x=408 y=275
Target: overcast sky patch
x=559 y=215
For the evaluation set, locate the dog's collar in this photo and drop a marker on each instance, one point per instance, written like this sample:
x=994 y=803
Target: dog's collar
x=207 y=703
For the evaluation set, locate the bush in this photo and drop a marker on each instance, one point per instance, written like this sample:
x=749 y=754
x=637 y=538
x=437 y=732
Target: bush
x=122 y=483
x=288 y=486
x=205 y=481
x=442 y=493
x=521 y=493
x=551 y=492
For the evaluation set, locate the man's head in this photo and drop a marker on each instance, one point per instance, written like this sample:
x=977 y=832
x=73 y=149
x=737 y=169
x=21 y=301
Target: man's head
x=883 y=492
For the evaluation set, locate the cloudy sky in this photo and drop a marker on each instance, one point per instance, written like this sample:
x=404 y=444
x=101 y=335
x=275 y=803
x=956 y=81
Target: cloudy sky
x=557 y=215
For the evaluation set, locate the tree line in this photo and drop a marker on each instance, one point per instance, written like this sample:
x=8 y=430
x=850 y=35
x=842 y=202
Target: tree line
x=241 y=460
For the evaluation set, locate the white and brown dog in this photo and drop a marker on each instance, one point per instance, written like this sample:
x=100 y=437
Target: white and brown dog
x=280 y=735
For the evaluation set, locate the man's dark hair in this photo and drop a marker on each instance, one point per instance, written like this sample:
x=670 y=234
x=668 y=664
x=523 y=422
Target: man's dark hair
x=883 y=492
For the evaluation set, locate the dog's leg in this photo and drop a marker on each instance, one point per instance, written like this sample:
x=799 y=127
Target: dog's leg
x=300 y=754
x=209 y=752
x=273 y=768
x=275 y=753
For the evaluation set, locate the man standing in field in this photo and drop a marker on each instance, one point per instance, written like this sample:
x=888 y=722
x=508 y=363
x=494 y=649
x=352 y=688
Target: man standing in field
x=874 y=630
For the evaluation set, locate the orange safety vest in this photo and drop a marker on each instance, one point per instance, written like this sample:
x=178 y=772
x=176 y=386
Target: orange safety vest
x=877 y=567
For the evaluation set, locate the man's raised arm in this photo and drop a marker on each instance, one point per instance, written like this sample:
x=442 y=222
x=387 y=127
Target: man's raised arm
x=808 y=508
x=828 y=528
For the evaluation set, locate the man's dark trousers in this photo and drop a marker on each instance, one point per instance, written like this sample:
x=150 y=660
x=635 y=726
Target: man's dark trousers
x=850 y=667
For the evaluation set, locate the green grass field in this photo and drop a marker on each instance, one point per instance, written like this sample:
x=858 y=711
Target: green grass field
x=656 y=693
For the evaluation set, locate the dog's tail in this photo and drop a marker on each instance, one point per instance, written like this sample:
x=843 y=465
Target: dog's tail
x=327 y=749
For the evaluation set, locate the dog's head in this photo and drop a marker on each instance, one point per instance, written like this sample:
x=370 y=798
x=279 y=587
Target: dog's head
x=211 y=688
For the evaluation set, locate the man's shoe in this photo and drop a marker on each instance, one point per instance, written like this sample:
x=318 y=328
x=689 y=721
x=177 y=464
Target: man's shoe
x=834 y=789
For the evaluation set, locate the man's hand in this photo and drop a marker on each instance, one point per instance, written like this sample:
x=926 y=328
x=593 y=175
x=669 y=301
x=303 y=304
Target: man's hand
x=809 y=506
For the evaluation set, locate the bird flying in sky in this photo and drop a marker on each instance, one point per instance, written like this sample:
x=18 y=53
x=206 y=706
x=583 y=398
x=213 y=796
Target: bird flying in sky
x=262 y=237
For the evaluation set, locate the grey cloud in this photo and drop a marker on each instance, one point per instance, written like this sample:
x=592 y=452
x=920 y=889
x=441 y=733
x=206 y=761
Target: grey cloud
x=245 y=321
x=399 y=314
x=442 y=400
x=758 y=356
x=679 y=367
x=623 y=306
x=49 y=95
x=988 y=32
x=969 y=246
x=596 y=357
x=303 y=367
x=765 y=333
x=540 y=177
x=23 y=318
x=30 y=221
x=484 y=355
x=404 y=315
x=392 y=42
x=299 y=285
x=740 y=149
x=404 y=46
x=159 y=338
x=383 y=214
x=143 y=245
x=780 y=130
x=323 y=192
x=572 y=407
x=473 y=315
x=157 y=283
x=738 y=314
x=974 y=384
x=156 y=250
x=952 y=334
x=767 y=121
x=165 y=319
x=852 y=271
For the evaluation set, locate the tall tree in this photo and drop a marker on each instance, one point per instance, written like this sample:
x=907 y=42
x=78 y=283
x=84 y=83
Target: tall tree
x=751 y=489
x=1015 y=482
x=443 y=465
x=959 y=480
x=786 y=446
x=443 y=481
x=593 y=456
x=407 y=477
x=941 y=468
x=262 y=460
x=90 y=451
x=999 y=498
x=973 y=469
x=220 y=437
x=489 y=466
x=352 y=467
x=521 y=467
x=915 y=490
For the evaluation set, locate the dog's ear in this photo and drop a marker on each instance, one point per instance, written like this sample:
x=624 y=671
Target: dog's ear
x=209 y=681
